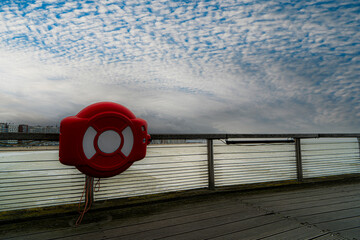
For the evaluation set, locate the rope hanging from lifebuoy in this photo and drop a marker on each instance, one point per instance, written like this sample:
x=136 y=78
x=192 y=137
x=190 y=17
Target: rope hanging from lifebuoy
x=88 y=192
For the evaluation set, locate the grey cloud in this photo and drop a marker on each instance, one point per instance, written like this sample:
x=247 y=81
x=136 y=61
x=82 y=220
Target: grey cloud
x=201 y=66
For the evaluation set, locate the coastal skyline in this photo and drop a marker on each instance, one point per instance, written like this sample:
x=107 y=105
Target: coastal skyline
x=185 y=66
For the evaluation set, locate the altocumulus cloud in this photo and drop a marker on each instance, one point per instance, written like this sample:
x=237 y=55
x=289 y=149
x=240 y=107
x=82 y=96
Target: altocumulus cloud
x=185 y=66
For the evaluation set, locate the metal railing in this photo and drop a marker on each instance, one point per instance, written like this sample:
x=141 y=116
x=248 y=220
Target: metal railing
x=37 y=178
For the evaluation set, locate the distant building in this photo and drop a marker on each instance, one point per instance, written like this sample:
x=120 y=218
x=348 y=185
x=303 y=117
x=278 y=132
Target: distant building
x=43 y=129
x=23 y=128
x=37 y=129
x=13 y=128
x=52 y=129
x=3 y=128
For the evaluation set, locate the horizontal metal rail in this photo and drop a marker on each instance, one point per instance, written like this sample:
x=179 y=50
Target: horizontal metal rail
x=258 y=141
x=55 y=136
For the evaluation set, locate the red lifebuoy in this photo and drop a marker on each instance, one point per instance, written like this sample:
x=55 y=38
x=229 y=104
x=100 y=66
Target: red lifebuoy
x=103 y=140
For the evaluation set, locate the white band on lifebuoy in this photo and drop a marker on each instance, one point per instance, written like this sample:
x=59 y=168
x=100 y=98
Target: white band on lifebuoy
x=108 y=142
x=88 y=142
x=128 y=141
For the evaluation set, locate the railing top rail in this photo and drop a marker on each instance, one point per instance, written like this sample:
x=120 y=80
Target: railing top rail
x=30 y=136
x=257 y=135
x=55 y=136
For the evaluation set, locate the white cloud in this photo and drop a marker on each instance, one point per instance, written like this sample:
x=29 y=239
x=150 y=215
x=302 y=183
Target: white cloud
x=261 y=62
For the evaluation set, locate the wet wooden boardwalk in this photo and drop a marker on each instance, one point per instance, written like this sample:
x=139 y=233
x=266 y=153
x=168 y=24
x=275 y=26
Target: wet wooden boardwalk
x=327 y=211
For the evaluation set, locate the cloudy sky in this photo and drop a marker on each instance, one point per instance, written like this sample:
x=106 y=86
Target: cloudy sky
x=249 y=66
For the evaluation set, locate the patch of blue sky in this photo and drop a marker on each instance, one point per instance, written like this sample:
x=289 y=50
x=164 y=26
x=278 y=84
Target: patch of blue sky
x=21 y=4
x=276 y=44
x=57 y=78
x=188 y=1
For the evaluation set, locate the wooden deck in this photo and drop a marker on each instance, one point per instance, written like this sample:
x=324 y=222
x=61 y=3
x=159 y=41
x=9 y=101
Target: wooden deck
x=325 y=211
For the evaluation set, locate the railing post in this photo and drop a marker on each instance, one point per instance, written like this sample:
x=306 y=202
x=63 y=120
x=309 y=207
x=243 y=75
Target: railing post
x=211 y=173
x=298 y=159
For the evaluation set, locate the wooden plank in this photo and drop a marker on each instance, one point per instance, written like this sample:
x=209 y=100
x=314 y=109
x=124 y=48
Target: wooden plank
x=265 y=231
x=88 y=236
x=330 y=236
x=128 y=216
x=217 y=227
x=179 y=225
x=320 y=209
x=334 y=209
x=82 y=232
x=308 y=200
x=329 y=216
x=170 y=210
x=65 y=235
x=341 y=224
x=302 y=233
x=296 y=193
x=351 y=233
x=228 y=216
x=303 y=197
x=310 y=206
x=287 y=205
